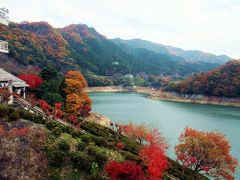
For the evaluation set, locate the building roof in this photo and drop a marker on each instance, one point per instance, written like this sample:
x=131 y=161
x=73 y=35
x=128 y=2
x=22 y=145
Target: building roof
x=6 y=76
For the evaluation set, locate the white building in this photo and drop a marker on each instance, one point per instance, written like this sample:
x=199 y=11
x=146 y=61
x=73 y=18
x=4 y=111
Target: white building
x=4 y=21
x=15 y=85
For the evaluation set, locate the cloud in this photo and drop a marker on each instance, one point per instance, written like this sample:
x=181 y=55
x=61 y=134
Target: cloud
x=206 y=25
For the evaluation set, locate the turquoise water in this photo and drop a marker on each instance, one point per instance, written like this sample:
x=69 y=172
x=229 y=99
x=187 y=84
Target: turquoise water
x=169 y=117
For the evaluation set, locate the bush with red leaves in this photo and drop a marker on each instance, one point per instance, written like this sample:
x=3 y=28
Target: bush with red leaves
x=32 y=80
x=58 y=113
x=127 y=170
x=58 y=105
x=155 y=160
x=85 y=110
x=13 y=133
x=120 y=145
x=44 y=105
x=72 y=119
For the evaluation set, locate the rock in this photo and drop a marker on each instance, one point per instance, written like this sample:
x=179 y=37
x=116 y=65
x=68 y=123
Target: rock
x=98 y=118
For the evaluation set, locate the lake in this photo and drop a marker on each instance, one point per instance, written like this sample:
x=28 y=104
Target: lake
x=169 y=117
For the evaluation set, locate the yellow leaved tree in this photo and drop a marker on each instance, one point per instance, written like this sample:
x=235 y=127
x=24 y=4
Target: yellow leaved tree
x=77 y=100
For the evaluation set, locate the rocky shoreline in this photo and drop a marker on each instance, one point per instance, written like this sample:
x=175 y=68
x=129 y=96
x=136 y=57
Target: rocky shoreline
x=172 y=97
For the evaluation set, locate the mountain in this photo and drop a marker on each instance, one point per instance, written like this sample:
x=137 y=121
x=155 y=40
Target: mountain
x=223 y=82
x=79 y=46
x=188 y=55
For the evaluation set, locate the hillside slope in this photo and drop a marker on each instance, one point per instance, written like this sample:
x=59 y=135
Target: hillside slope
x=39 y=149
x=188 y=55
x=79 y=46
x=223 y=82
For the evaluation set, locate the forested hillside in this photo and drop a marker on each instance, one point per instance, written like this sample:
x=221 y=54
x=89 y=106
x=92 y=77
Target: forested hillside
x=188 y=55
x=223 y=81
x=76 y=46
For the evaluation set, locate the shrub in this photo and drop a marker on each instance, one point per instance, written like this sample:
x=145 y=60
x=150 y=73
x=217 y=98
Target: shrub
x=52 y=98
x=94 y=169
x=57 y=131
x=3 y=111
x=10 y=110
x=38 y=119
x=14 y=116
x=86 y=138
x=101 y=158
x=126 y=170
x=56 y=157
x=51 y=125
x=82 y=161
x=26 y=115
x=131 y=145
x=76 y=134
x=81 y=146
x=64 y=146
x=129 y=156
x=100 y=141
x=120 y=145
x=113 y=155
x=92 y=150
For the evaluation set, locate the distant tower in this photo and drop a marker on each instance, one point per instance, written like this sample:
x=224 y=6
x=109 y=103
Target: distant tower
x=4 y=20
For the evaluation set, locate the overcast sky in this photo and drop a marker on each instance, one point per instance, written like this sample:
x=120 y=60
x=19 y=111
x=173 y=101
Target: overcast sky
x=207 y=25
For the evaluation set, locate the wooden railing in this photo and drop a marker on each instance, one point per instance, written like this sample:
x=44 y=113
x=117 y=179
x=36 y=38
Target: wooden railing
x=38 y=111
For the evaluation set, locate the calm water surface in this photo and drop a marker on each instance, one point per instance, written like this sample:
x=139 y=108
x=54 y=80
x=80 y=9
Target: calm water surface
x=169 y=117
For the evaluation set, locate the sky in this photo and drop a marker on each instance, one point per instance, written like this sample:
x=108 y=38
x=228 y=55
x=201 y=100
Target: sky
x=208 y=25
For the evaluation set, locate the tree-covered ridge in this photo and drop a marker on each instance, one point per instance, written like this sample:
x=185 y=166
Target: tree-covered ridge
x=189 y=55
x=223 y=81
x=35 y=43
x=78 y=45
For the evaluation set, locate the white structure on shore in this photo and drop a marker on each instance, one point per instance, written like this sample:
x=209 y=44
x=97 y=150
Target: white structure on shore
x=13 y=84
x=3 y=20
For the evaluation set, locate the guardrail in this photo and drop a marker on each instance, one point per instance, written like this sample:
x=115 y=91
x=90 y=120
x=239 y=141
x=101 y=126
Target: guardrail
x=28 y=106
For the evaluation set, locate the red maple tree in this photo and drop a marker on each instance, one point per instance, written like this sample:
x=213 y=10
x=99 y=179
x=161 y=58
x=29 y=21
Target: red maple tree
x=32 y=80
x=207 y=152
x=155 y=160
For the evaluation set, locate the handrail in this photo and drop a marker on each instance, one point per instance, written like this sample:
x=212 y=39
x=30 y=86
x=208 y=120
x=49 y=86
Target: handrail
x=25 y=104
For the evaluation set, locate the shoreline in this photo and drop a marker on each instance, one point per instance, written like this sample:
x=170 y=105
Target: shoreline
x=167 y=96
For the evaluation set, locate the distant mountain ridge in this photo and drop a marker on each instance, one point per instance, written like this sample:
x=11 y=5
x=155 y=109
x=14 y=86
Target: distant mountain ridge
x=81 y=47
x=188 y=55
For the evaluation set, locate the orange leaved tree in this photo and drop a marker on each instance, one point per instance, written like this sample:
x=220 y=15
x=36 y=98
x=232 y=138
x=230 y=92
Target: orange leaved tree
x=77 y=101
x=137 y=132
x=207 y=152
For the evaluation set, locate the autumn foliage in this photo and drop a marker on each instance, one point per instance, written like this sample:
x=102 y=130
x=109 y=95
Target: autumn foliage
x=127 y=170
x=153 y=154
x=13 y=133
x=5 y=93
x=155 y=160
x=32 y=80
x=223 y=81
x=44 y=105
x=120 y=145
x=77 y=101
x=207 y=152
x=138 y=132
